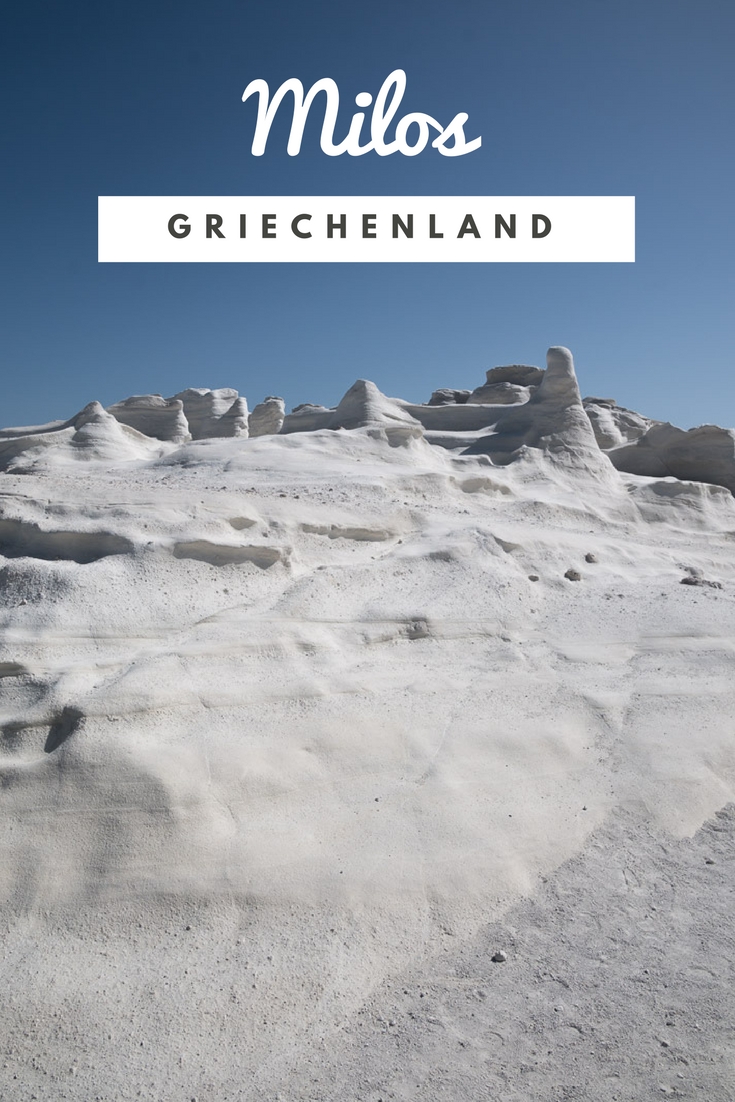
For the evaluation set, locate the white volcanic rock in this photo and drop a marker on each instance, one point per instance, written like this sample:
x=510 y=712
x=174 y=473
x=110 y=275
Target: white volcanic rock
x=22 y=449
x=267 y=417
x=500 y=394
x=234 y=422
x=162 y=418
x=99 y=435
x=307 y=417
x=463 y=418
x=703 y=454
x=211 y=413
x=32 y=430
x=445 y=396
x=553 y=419
x=299 y=731
x=363 y=406
x=521 y=407
x=517 y=374
x=613 y=424
x=507 y=385
x=92 y=434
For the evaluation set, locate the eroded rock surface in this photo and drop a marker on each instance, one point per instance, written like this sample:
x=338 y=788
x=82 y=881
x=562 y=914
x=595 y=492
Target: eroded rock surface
x=153 y=415
x=267 y=417
x=703 y=454
x=519 y=407
x=211 y=413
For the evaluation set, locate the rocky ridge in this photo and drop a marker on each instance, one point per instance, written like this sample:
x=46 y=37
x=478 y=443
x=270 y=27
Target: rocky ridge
x=518 y=407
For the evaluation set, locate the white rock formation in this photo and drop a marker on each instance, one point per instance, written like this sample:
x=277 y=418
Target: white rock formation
x=335 y=770
x=517 y=374
x=500 y=394
x=703 y=454
x=445 y=396
x=613 y=424
x=363 y=406
x=162 y=418
x=267 y=417
x=211 y=413
x=512 y=383
x=553 y=419
x=307 y=417
x=92 y=434
x=519 y=407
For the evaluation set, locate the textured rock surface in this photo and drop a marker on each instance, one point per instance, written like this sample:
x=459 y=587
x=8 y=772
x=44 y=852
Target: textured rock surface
x=445 y=396
x=613 y=424
x=211 y=413
x=704 y=454
x=365 y=406
x=362 y=406
x=302 y=734
x=267 y=417
x=503 y=394
x=518 y=374
x=92 y=434
x=162 y=418
x=520 y=407
x=553 y=420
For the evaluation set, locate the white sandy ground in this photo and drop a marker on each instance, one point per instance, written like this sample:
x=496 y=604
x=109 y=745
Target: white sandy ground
x=292 y=745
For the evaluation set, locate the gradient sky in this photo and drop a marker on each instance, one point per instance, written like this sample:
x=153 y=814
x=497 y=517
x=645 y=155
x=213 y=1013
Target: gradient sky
x=570 y=98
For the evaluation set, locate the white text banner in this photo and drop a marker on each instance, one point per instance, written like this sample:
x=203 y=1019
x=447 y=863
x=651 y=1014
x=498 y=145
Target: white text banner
x=362 y=229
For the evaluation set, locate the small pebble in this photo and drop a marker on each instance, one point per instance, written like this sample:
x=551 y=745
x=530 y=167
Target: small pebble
x=499 y=957
x=708 y=861
x=533 y=577
x=573 y=576
x=589 y=557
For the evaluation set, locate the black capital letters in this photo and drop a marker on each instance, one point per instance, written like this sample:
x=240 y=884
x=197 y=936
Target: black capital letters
x=399 y=224
x=214 y=221
x=184 y=230
x=468 y=226
x=501 y=224
x=535 y=220
x=368 y=225
x=295 y=225
x=341 y=225
x=269 y=225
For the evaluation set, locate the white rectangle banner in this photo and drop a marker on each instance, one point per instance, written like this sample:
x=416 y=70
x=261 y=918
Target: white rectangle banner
x=366 y=228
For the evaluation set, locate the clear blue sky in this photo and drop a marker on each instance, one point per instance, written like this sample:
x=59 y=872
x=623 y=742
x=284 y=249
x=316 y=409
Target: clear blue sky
x=577 y=97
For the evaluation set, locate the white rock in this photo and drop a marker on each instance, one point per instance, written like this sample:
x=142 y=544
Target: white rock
x=162 y=418
x=267 y=417
x=213 y=413
x=703 y=454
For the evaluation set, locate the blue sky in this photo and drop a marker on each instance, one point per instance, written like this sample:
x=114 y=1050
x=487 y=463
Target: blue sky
x=569 y=97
